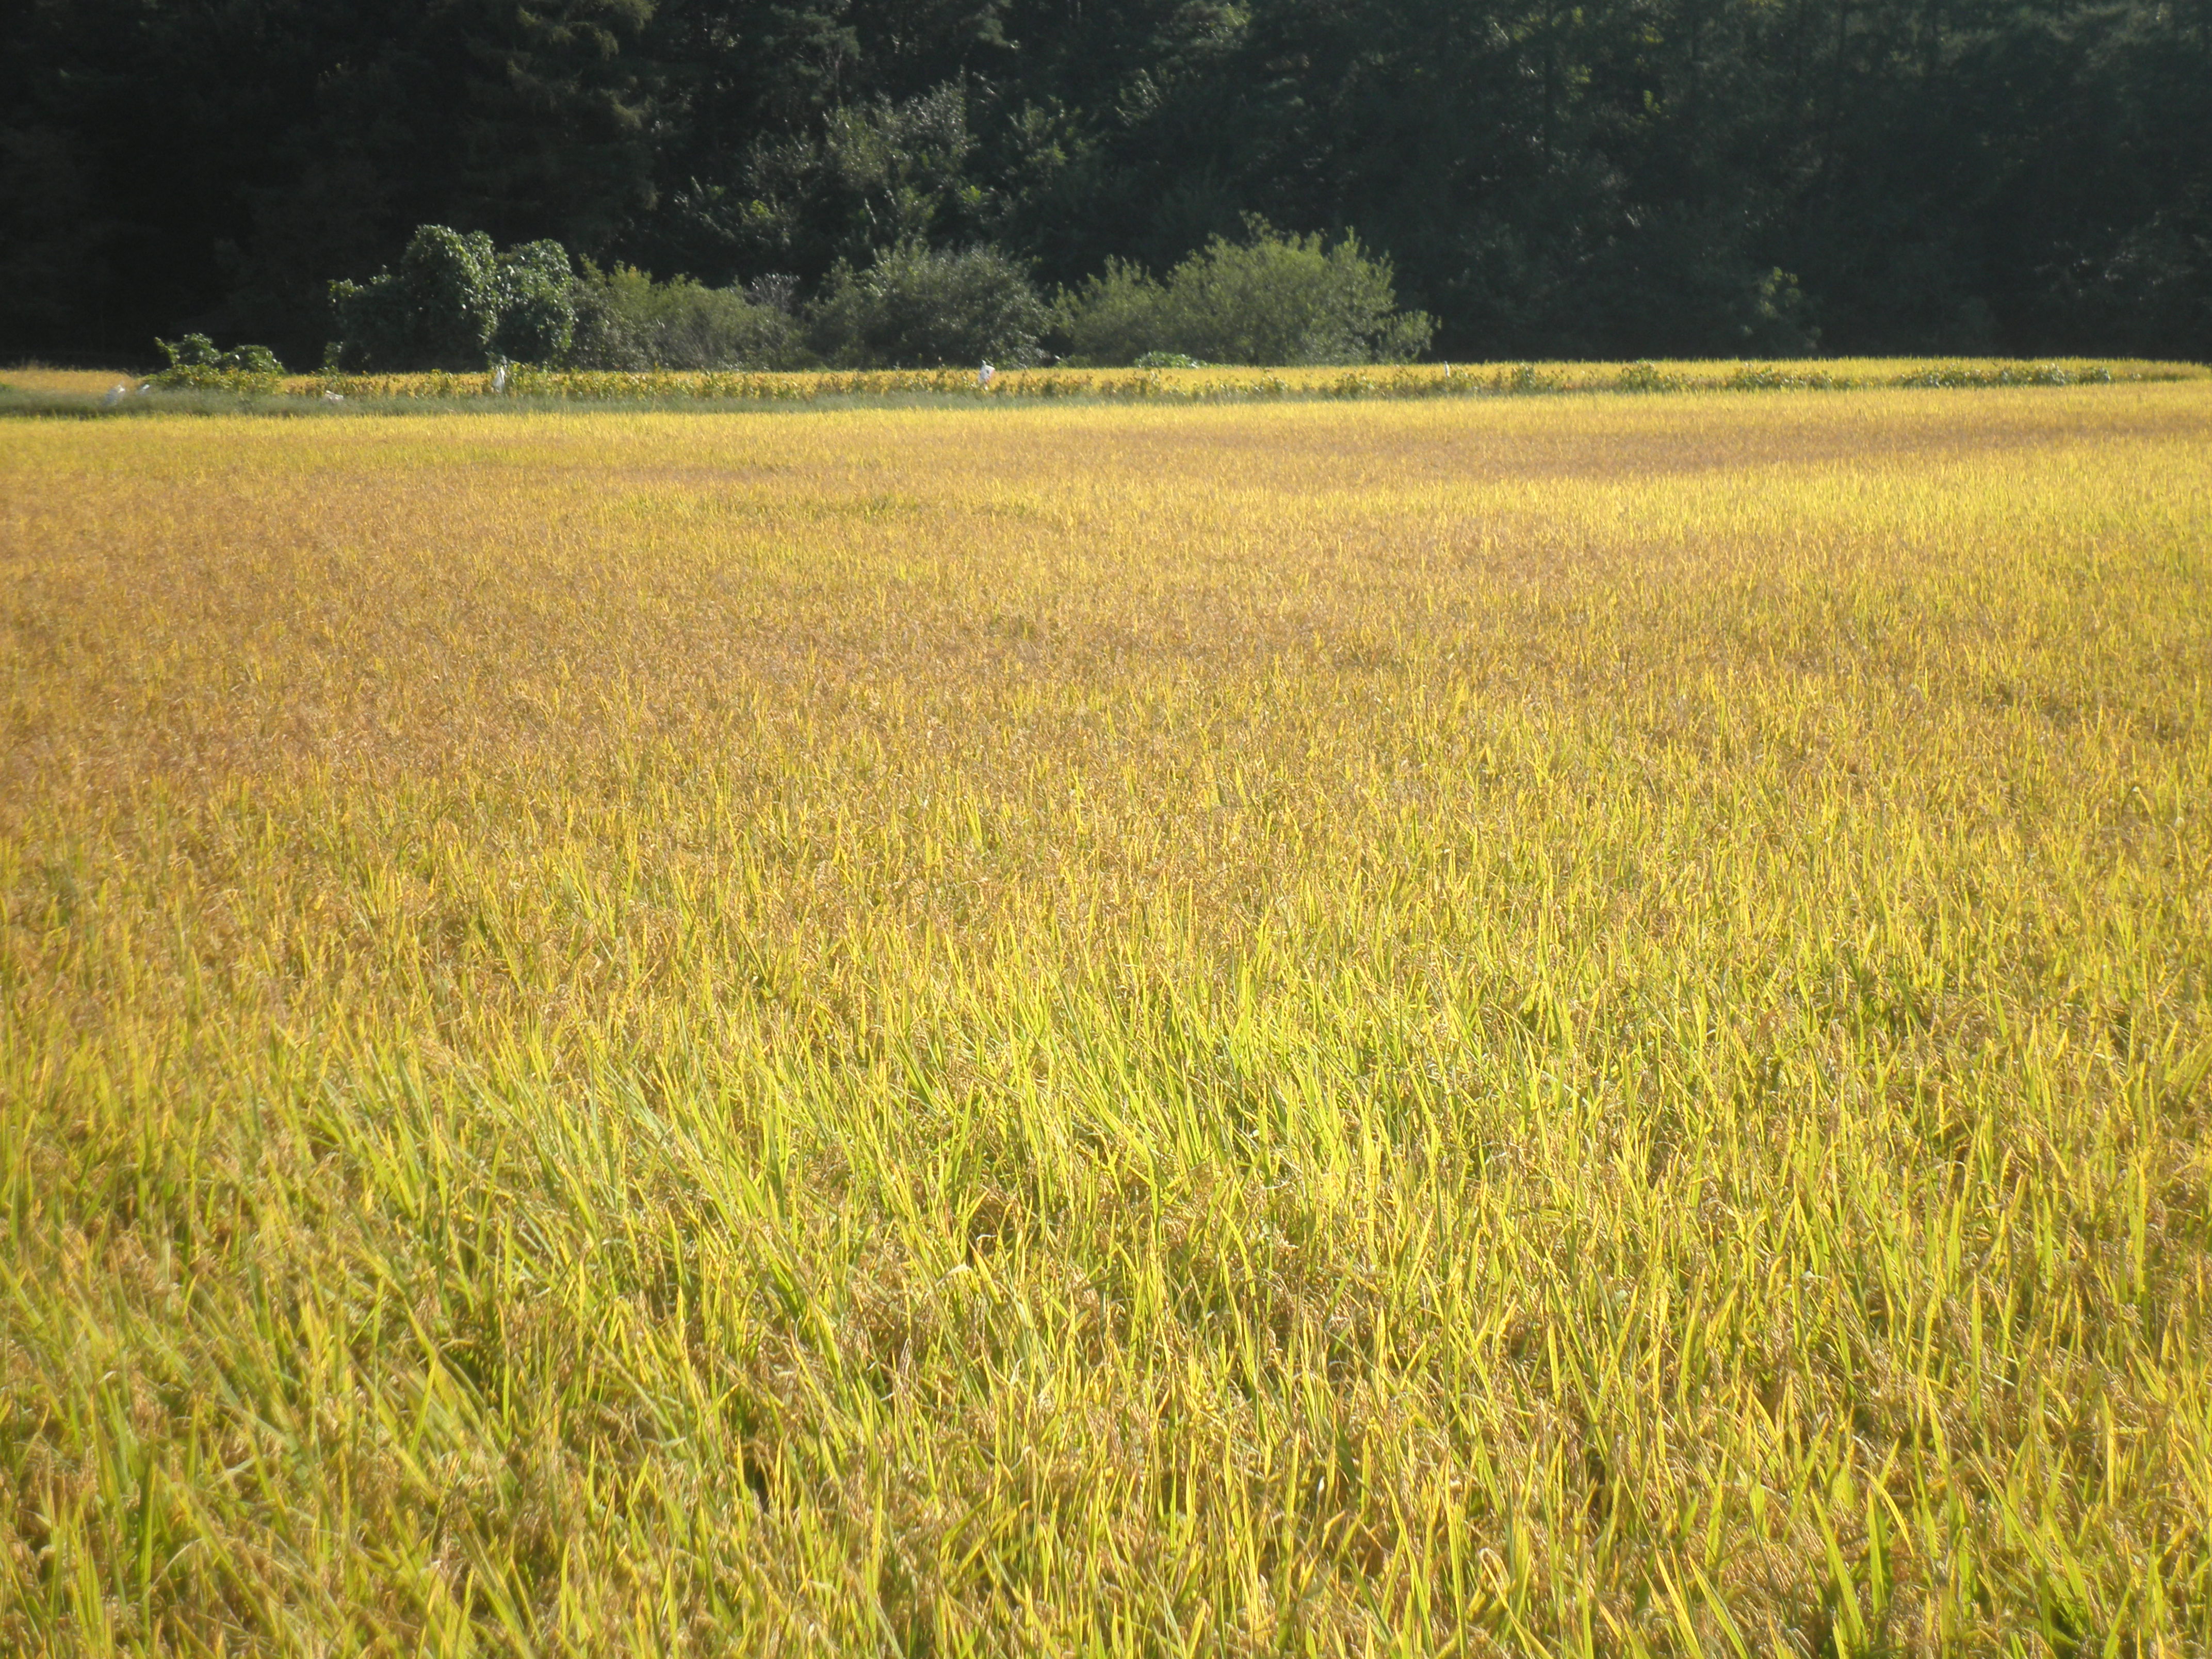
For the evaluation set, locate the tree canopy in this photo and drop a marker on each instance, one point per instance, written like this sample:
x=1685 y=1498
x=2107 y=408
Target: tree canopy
x=1615 y=178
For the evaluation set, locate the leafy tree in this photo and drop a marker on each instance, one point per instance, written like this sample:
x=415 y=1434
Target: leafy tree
x=437 y=311
x=628 y=320
x=455 y=302
x=925 y=307
x=534 y=303
x=1270 y=299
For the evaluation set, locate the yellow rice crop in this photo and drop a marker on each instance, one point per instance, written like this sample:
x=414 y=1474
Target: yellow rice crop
x=1229 y=382
x=1428 y=1027
x=1212 y=383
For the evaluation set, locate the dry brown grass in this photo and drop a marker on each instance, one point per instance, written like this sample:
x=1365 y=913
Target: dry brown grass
x=1420 y=1027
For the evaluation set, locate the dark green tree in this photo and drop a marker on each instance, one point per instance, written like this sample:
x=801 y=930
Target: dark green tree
x=1610 y=177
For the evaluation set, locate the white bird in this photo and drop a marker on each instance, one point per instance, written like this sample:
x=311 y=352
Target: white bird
x=985 y=375
x=499 y=380
x=116 y=394
x=333 y=397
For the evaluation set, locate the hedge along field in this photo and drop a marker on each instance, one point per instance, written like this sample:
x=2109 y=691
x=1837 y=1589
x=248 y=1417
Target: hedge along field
x=1571 y=1025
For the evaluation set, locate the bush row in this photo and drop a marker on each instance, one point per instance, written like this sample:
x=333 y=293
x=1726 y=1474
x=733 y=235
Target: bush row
x=457 y=302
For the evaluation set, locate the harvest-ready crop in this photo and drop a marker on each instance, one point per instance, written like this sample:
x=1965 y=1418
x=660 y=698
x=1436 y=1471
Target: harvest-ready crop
x=1396 y=1027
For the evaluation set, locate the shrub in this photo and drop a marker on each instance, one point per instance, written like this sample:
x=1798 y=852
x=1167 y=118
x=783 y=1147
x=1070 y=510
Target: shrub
x=919 y=307
x=195 y=363
x=437 y=311
x=1647 y=377
x=533 y=297
x=1268 y=299
x=627 y=320
x=1119 y=318
x=456 y=303
x=1271 y=299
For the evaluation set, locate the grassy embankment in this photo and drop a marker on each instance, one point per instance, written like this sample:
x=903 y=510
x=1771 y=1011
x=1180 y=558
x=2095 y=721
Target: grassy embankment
x=1571 y=1024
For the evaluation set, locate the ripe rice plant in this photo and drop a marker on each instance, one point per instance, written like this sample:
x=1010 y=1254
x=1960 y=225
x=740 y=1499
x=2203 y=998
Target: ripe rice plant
x=1408 y=1026
x=35 y=390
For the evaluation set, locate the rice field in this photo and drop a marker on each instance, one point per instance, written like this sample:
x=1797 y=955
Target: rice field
x=32 y=389
x=1540 y=1025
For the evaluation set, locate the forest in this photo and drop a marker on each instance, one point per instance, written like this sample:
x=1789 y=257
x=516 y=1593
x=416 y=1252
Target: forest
x=1618 y=177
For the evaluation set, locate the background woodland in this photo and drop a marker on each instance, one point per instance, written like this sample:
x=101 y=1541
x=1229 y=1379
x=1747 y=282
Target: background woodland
x=1620 y=178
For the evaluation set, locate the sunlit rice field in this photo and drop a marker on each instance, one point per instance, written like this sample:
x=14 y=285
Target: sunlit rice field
x=66 y=391
x=1542 y=1025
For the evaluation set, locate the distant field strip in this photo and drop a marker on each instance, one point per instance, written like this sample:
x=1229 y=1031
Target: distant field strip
x=1215 y=383
x=1572 y=1025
